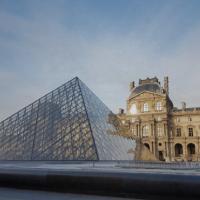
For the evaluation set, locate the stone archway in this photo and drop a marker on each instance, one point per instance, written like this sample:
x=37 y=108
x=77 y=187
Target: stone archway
x=178 y=150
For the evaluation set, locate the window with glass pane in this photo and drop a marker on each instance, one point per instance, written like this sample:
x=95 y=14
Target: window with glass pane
x=178 y=132
x=159 y=130
x=158 y=106
x=190 y=119
x=146 y=107
x=190 y=132
x=145 y=131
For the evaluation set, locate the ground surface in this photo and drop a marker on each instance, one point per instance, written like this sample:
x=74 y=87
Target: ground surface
x=15 y=194
x=92 y=167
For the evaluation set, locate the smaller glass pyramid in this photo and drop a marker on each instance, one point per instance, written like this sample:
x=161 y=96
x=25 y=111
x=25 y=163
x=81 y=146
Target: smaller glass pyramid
x=69 y=123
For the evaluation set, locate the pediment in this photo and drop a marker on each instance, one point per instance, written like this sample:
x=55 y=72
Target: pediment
x=146 y=94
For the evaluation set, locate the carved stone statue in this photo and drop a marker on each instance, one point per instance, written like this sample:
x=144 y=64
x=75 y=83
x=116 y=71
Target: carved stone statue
x=140 y=152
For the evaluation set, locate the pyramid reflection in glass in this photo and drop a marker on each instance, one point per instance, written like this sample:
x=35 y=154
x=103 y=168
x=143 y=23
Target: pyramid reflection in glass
x=69 y=123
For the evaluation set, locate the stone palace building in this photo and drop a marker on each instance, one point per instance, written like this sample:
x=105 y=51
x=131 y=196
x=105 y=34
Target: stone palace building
x=171 y=134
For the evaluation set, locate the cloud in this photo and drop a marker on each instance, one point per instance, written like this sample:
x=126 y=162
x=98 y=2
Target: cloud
x=46 y=49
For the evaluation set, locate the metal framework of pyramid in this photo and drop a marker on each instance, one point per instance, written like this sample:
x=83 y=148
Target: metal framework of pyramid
x=69 y=123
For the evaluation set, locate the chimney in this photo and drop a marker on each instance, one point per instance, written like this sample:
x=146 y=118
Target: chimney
x=183 y=105
x=121 y=111
x=132 y=85
x=166 y=84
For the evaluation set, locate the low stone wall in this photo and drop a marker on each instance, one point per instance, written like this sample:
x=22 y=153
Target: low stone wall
x=115 y=182
x=159 y=165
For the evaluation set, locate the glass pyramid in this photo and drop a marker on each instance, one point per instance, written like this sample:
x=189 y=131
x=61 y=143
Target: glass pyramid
x=69 y=123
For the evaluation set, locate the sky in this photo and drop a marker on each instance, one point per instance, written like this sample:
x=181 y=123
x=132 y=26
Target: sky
x=106 y=43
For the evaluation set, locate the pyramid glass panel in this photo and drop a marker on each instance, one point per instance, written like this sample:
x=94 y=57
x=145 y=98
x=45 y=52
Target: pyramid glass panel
x=69 y=123
x=110 y=147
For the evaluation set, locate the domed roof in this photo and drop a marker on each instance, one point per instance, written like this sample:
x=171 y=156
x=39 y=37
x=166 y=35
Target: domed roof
x=150 y=87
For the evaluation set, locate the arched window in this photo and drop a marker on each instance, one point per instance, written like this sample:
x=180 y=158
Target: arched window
x=191 y=149
x=145 y=131
x=159 y=106
x=133 y=109
x=178 y=150
x=146 y=107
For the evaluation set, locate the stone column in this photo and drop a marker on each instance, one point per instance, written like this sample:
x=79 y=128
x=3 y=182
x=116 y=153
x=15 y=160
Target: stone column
x=185 y=150
x=170 y=143
x=172 y=151
x=156 y=141
x=198 y=150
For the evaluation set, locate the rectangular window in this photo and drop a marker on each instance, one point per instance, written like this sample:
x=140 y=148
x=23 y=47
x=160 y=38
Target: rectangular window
x=145 y=131
x=159 y=131
x=178 y=132
x=134 y=130
x=158 y=106
x=190 y=132
x=146 y=107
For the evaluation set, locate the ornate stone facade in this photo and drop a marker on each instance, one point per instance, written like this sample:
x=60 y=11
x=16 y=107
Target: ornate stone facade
x=171 y=134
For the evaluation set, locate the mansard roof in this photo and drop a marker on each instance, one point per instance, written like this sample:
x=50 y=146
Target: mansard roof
x=148 y=87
